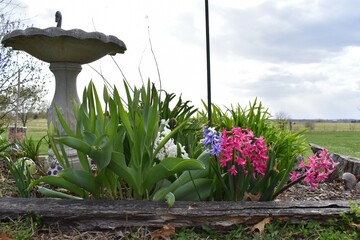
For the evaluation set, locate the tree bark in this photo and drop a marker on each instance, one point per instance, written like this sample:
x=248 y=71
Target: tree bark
x=345 y=164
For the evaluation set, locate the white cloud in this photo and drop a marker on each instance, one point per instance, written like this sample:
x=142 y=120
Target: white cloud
x=301 y=57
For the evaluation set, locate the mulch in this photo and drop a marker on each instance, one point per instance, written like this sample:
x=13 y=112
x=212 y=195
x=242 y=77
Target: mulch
x=325 y=191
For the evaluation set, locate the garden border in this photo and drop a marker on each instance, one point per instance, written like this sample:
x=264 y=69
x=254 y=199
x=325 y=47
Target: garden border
x=87 y=215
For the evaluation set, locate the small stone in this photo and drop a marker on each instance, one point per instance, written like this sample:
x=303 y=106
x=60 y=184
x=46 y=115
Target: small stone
x=357 y=187
x=349 y=180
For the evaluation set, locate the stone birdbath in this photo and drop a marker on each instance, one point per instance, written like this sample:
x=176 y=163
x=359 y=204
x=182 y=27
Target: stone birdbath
x=66 y=51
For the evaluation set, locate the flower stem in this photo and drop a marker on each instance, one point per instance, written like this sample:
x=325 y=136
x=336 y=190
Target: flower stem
x=235 y=188
x=287 y=186
x=234 y=177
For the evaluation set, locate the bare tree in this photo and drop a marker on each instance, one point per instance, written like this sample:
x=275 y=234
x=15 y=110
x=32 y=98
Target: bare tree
x=283 y=119
x=12 y=62
x=31 y=101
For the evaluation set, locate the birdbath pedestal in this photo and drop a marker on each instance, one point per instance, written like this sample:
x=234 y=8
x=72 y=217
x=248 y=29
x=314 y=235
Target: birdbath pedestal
x=65 y=78
x=66 y=51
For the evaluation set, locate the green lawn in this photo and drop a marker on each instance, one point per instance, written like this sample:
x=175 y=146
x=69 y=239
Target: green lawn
x=36 y=129
x=327 y=126
x=337 y=137
x=343 y=143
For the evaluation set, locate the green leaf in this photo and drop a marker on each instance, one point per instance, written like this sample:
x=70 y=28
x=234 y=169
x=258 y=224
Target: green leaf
x=123 y=115
x=82 y=179
x=84 y=161
x=118 y=166
x=84 y=121
x=55 y=194
x=75 y=143
x=60 y=182
x=185 y=178
x=51 y=130
x=170 y=199
x=151 y=114
x=101 y=152
x=168 y=167
x=187 y=192
x=112 y=125
x=106 y=96
x=88 y=137
x=285 y=176
x=269 y=192
x=62 y=160
x=99 y=110
x=75 y=109
x=108 y=180
x=63 y=122
x=92 y=113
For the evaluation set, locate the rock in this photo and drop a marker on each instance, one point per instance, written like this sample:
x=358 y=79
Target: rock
x=349 y=180
x=357 y=187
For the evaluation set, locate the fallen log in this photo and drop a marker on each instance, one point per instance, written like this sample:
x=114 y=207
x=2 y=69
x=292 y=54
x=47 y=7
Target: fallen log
x=88 y=215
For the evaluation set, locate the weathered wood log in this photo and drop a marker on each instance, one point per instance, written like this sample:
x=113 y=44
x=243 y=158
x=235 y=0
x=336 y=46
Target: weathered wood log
x=315 y=148
x=346 y=164
x=87 y=215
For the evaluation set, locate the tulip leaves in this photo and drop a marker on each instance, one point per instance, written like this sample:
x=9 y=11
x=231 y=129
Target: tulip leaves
x=119 y=141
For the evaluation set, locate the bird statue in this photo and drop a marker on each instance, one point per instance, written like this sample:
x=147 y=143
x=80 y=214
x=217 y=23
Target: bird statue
x=58 y=19
x=350 y=181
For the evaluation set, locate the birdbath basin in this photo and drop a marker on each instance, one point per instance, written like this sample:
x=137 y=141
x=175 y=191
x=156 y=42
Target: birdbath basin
x=66 y=51
x=58 y=45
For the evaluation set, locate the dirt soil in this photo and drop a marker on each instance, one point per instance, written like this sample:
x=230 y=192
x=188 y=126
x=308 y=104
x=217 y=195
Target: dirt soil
x=325 y=191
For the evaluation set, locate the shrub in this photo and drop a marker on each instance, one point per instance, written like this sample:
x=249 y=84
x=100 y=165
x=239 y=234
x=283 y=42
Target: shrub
x=310 y=125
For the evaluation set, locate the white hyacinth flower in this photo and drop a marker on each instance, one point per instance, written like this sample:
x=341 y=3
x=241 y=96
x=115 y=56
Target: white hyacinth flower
x=170 y=148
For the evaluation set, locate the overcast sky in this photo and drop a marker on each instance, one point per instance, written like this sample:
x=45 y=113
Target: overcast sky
x=300 y=57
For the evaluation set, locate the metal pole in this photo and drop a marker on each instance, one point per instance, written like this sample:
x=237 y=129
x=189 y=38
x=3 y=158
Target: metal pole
x=17 y=106
x=208 y=61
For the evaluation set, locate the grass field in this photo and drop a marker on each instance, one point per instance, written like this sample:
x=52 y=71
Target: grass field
x=36 y=129
x=337 y=137
x=341 y=138
x=344 y=143
x=327 y=126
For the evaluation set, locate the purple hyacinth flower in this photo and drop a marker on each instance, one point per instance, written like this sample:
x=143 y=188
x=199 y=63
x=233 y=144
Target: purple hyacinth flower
x=211 y=141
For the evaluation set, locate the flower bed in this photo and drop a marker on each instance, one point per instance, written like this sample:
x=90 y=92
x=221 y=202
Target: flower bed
x=140 y=148
x=144 y=163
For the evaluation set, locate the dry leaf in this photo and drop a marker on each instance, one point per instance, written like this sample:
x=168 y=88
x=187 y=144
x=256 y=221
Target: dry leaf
x=260 y=227
x=357 y=226
x=251 y=197
x=165 y=233
x=3 y=236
